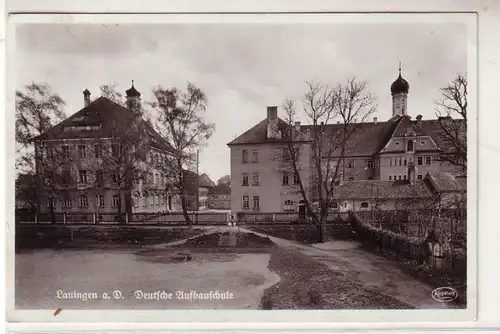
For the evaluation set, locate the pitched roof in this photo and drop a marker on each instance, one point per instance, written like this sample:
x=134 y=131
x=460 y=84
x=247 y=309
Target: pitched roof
x=206 y=181
x=378 y=189
x=102 y=118
x=445 y=182
x=258 y=134
x=368 y=139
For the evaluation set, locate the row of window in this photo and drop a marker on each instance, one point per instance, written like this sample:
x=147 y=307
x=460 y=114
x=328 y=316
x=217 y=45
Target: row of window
x=403 y=177
x=83 y=151
x=255 y=202
x=402 y=161
x=84 y=176
x=83 y=201
x=245 y=159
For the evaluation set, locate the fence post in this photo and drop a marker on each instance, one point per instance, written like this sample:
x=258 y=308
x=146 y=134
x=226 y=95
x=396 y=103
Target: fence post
x=65 y=219
x=94 y=217
x=126 y=217
x=36 y=217
x=274 y=217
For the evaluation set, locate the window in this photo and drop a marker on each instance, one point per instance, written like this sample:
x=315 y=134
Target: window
x=419 y=161
x=255 y=179
x=98 y=151
x=162 y=200
x=65 y=151
x=409 y=146
x=370 y=164
x=404 y=177
x=422 y=142
x=256 y=203
x=285 y=178
x=390 y=177
x=83 y=201
x=351 y=178
x=350 y=164
x=99 y=178
x=419 y=176
x=115 y=178
x=115 y=150
x=333 y=205
x=244 y=182
x=288 y=202
x=155 y=178
x=82 y=176
x=67 y=202
x=364 y=205
x=400 y=161
x=397 y=143
x=116 y=199
x=404 y=161
x=82 y=151
x=399 y=178
x=296 y=178
x=427 y=160
x=246 y=201
x=145 y=198
x=390 y=161
x=255 y=156
x=152 y=200
x=51 y=202
x=244 y=156
x=100 y=200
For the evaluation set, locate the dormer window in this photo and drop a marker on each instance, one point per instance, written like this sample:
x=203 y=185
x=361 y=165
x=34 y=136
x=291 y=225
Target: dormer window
x=397 y=143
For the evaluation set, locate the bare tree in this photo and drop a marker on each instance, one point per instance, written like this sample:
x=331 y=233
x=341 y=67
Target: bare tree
x=37 y=110
x=334 y=114
x=182 y=126
x=111 y=92
x=454 y=130
x=123 y=158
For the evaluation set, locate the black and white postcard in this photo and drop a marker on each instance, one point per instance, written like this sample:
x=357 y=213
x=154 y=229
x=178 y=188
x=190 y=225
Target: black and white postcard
x=242 y=167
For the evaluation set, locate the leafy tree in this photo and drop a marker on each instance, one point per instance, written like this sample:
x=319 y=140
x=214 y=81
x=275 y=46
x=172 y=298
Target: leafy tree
x=182 y=126
x=37 y=110
x=225 y=180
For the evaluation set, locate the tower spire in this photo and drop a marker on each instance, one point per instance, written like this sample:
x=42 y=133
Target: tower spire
x=399 y=70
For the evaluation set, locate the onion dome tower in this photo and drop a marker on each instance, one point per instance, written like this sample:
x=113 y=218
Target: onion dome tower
x=399 y=92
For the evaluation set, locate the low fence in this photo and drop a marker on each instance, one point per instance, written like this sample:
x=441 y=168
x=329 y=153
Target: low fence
x=85 y=218
x=431 y=256
x=278 y=217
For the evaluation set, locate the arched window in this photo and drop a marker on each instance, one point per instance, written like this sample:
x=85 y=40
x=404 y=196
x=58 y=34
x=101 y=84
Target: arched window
x=364 y=205
x=409 y=146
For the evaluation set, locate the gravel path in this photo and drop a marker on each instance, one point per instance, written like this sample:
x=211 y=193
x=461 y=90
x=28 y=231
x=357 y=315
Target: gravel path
x=366 y=269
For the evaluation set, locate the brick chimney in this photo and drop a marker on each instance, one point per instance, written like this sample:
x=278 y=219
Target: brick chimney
x=297 y=126
x=86 y=98
x=411 y=172
x=272 y=122
x=374 y=120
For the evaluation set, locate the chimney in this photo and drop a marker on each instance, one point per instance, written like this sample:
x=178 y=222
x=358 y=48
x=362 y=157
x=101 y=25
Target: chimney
x=297 y=126
x=272 y=113
x=86 y=98
x=374 y=120
x=411 y=172
x=419 y=120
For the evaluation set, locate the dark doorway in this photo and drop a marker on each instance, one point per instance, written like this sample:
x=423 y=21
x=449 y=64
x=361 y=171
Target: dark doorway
x=302 y=210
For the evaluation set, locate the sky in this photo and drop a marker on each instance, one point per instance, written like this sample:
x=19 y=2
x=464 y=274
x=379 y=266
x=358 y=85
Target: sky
x=242 y=68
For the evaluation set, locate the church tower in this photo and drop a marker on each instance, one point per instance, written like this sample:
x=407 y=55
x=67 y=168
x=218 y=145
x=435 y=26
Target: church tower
x=399 y=92
x=133 y=99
